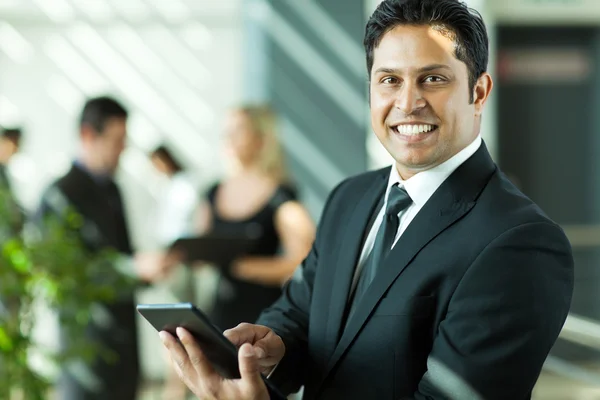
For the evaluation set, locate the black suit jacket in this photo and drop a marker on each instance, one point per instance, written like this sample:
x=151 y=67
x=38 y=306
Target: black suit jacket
x=466 y=306
x=16 y=214
x=100 y=204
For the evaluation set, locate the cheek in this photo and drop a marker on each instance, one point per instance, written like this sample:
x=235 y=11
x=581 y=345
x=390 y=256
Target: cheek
x=248 y=141
x=444 y=109
x=379 y=107
x=452 y=106
x=241 y=146
x=454 y=115
x=251 y=143
x=233 y=142
x=117 y=148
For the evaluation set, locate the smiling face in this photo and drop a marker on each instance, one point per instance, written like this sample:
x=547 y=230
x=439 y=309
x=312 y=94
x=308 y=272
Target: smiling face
x=420 y=98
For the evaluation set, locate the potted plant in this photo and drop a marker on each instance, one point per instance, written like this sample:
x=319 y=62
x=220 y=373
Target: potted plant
x=51 y=264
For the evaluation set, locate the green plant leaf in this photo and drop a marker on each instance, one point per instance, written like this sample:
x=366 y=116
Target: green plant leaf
x=6 y=344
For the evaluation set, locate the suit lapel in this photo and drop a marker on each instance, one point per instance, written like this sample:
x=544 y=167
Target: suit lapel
x=355 y=234
x=453 y=199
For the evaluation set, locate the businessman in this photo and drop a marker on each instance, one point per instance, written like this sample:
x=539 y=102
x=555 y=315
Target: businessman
x=433 y=279
x=10 y=143
x=90 y=189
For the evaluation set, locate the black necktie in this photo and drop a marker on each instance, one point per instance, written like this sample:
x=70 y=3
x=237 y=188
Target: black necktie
x=398 y=200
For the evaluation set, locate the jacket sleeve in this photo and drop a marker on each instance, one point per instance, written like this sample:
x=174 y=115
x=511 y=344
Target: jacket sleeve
x=503 y=318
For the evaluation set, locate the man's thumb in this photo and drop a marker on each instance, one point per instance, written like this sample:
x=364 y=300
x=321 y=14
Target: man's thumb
x=249 y=368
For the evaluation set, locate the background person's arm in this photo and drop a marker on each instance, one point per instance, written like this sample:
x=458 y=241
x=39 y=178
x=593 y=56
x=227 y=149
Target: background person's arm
x=296 y=232
x=202 y=219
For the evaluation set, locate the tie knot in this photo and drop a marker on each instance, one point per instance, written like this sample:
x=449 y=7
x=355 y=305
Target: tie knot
x=398 y=199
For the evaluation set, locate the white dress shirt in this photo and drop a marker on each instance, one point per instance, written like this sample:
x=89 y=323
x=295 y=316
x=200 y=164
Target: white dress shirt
x=420 y=188
x=176 y=209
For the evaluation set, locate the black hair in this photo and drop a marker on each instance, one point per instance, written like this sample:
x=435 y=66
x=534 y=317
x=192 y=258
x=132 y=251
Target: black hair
x=12 y=134
x=97 y=111
x=450 y=17
x=167 y=156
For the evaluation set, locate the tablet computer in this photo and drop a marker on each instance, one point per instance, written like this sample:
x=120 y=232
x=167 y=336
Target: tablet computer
x=219 y=351
x=218 y=249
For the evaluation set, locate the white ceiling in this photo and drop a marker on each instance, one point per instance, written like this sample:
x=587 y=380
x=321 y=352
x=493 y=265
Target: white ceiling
x=132 y=11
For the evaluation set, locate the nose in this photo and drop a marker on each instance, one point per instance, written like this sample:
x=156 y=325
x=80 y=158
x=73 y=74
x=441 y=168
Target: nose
x=410 y=99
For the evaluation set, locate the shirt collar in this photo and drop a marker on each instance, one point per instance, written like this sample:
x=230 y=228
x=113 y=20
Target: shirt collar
x=100 y=179
x=421 y=186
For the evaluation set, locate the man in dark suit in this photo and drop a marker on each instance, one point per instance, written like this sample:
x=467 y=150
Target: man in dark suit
x=89 y=188
x=10 y=142
x=11 y=213
x=435 y=279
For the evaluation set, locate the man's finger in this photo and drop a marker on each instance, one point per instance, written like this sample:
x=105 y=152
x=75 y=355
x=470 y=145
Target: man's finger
x=269 y=349
x=177 y=352
x=195 y=356
x=249 y=368
x=243 y=333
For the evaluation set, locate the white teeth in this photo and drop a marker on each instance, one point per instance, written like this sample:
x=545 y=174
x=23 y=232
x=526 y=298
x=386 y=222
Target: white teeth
x=414 y=129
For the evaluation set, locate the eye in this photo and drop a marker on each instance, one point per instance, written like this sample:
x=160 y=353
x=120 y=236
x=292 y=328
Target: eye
x=434 y=79
x=389 y=80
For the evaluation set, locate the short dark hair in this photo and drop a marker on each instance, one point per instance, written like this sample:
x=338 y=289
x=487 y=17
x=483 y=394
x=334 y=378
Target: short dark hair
x=450 y=17
x=12 y=134
x=167 y=156
x=97 y=111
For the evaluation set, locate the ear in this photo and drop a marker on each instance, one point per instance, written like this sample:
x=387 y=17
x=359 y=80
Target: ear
x=481 y=92
x=87 y=133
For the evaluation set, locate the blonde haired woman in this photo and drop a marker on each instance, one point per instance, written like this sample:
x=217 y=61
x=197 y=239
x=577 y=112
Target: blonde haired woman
x=255 y=196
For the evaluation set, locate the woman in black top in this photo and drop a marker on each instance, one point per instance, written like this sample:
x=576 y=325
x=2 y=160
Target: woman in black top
x=256 y=198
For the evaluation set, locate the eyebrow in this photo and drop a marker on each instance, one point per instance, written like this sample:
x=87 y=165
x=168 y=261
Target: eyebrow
x=427 y=68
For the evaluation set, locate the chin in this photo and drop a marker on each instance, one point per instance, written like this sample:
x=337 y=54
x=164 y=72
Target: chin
x=415 y=159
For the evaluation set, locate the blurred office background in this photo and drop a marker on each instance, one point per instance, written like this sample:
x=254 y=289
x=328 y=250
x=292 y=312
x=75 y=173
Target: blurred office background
x=180 y=64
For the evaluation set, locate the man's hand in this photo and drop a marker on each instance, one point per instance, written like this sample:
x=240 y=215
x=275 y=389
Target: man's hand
x=197 y=373
x=269 y=347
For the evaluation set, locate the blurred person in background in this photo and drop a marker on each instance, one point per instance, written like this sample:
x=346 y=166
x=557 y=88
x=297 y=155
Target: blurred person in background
x=175 y=213
x=179 y=200
x=10 y=142
x=89 y=187
x=12 y=213
x=255 y=196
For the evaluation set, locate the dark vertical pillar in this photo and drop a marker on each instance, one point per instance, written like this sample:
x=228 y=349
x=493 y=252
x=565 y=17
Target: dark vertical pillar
x=306 y=58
